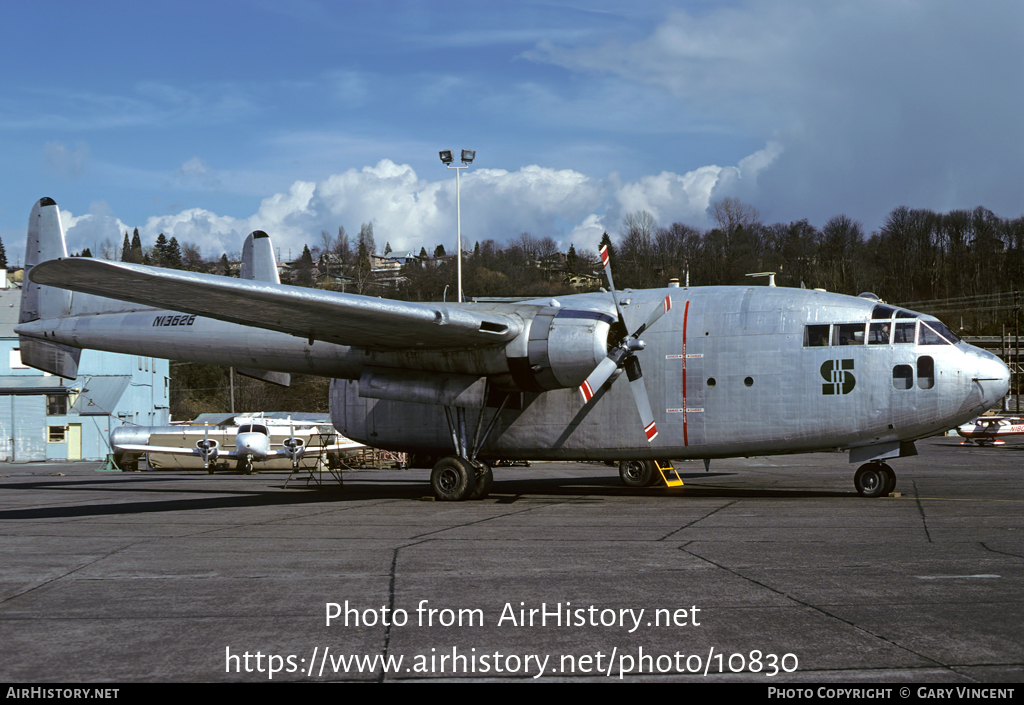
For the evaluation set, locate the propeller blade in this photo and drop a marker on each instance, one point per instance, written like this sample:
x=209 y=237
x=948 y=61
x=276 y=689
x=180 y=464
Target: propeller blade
x=607 y=262
x=659 y=311
x=598 y=377
x=643 y=404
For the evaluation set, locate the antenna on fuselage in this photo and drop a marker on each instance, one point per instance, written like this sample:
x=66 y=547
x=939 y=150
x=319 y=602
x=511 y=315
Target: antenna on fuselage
x=770 y=275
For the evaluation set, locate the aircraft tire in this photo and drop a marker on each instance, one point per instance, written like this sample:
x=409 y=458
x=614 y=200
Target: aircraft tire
x=453 y=479
x=484 y=480
x=636 y=473
x=871 y=480
x=890 y=480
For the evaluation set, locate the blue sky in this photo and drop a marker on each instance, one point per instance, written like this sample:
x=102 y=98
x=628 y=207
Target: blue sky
x=208 y=120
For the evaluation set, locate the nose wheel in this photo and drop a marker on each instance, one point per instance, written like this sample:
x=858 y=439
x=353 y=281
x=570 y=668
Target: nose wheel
x=874 y=480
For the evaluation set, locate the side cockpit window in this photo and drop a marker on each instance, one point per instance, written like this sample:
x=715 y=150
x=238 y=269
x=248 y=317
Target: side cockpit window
x=816 y=336
x=848 y=334
x=904 y=332
x=878 y=333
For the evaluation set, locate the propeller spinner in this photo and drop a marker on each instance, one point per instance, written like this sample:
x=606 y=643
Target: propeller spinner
x=623 y=355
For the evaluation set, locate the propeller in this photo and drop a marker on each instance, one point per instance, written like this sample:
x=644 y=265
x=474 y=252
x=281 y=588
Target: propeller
x=208 y=449
x=295 y=447
x=623 y=356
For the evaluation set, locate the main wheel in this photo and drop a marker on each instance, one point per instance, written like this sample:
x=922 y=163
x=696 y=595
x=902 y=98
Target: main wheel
x=890 y=480
x=636 y=473
x=870 y=480
x=484 y=480
x=453 y=479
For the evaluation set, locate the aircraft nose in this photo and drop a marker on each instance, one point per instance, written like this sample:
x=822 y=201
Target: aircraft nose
x=993 y=376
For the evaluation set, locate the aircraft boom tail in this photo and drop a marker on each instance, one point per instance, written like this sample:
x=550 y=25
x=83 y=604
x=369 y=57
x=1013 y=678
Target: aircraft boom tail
x=45 y=242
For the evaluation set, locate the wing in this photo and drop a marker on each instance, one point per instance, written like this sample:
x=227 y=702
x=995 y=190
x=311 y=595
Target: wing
x=345 y=319
x=176 y=450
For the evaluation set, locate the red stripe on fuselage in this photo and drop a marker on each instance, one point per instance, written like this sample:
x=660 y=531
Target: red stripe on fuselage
x=686 y=313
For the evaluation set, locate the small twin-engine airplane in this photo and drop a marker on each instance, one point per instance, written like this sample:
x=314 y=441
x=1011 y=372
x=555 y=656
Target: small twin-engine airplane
x=990 y=430
x=252 y=444
x=729 y=371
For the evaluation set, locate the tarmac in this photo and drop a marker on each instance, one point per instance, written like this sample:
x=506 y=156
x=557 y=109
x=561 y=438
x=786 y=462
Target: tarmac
x=763 y=570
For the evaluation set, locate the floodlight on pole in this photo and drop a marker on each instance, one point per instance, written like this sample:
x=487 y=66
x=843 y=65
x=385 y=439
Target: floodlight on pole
x=447 y=157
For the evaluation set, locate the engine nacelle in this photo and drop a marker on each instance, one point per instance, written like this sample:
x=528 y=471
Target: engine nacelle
x=295 y=447
x=563 y=346
x=209 y=448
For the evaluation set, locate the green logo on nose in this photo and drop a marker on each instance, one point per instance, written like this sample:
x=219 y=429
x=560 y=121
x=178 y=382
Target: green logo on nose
x=838 y=374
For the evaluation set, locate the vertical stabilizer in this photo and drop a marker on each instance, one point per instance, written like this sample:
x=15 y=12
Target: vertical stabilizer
x=45 y=242
x=258 y=262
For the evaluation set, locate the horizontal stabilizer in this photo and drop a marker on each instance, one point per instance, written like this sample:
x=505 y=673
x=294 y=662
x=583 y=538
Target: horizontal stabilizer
x=57 y=359
x=282 y=379
x=314 y=314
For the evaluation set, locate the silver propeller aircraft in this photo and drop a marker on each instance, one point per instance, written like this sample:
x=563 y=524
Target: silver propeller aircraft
x=252 y=444
x=730 y=371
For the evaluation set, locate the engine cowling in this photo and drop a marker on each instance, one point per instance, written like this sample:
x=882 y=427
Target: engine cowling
x=562 y=347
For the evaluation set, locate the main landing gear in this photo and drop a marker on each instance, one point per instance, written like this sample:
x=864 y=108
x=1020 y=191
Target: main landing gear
x=874 y=479
x=464 y=476
x=454 y=479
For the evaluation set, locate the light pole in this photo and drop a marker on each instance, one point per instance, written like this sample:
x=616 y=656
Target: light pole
x=468 y=155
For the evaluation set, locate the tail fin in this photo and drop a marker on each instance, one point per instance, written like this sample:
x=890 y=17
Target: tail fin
x=259 y=264
x=45 y=242
x=258 y=261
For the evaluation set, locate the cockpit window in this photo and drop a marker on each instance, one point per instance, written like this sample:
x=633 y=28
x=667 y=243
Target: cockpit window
x=848 y=334
x=904 y=332
x=906 y=314
x=881 y=311
x=878 y=333
x=816 y=336
x=245 y=429
x=934 y=333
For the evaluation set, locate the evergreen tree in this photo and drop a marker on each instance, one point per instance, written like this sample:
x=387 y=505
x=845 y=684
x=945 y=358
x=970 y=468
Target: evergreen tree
x=387 y=249
x=3 y=256
x=126 y=248
x=571 y=259
x=85 y=253
x=160 y=251
x=173 y=254
x=423 y=253
x=439 y=251
x=607 y=241
x=136 y=255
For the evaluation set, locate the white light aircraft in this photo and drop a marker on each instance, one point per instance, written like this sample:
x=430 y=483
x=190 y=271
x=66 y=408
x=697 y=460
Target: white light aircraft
x=728 y=371
x=990 y=430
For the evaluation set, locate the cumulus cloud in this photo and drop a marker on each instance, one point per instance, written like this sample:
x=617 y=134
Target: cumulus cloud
x=410 y=212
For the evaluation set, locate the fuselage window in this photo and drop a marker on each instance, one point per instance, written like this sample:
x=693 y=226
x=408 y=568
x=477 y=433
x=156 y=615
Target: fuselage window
x=904 y=332
x=815 y=336
x=848 y=334
x=925 y=372
x=902 y=376
x=878 y=333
